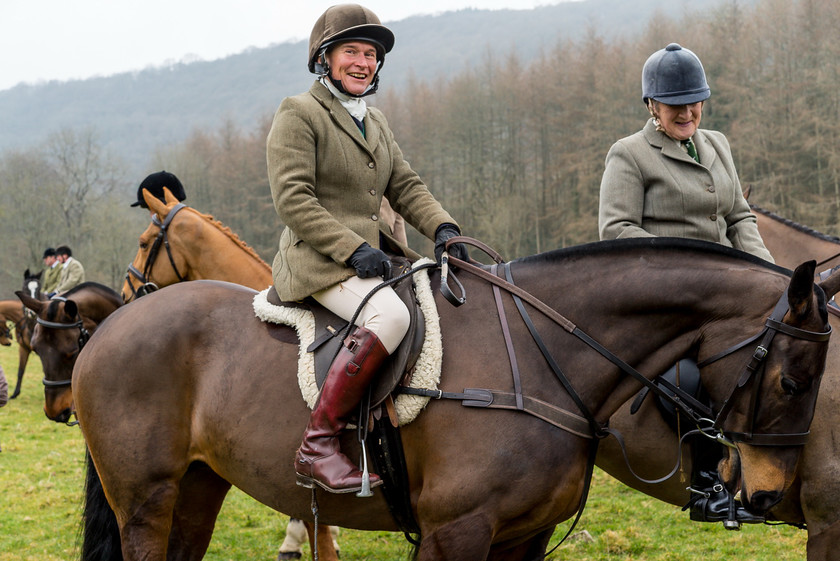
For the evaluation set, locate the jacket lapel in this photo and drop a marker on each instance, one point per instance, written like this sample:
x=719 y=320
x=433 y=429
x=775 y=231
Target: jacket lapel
x=342 y=118
x=670 y=147
x=705 y=150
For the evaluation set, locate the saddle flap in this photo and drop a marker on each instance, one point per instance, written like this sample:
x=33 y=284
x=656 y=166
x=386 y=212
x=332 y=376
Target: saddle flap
x=330 y=331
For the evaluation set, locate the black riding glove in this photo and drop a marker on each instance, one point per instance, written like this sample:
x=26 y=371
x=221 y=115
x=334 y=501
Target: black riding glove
x=443 y=233
x=370 y=262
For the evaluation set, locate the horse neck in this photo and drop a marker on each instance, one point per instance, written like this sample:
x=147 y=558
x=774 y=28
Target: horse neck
x=646 y=312
x=95 y=306
x=211 y=253
x=790 y=246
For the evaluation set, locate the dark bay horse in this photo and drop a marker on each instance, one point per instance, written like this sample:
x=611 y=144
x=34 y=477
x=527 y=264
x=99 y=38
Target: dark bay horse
x=815 y=495
x=23 y=327
x=185 y=392
x=62 y=326
x=183 y=244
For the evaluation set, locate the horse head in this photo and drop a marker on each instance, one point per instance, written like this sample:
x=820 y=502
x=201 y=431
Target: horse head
x=767 y=415
x=32 y=284
x=63 y=326
x=147 y=273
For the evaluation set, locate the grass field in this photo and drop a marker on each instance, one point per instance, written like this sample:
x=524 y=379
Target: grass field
x=42 y=467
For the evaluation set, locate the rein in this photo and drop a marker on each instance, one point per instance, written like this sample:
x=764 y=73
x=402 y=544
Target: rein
x=773 y=325
x=147 y=285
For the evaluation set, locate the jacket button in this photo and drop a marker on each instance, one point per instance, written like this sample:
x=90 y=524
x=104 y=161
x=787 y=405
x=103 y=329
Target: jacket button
x=711 y=189
x=713 y=217
x=371 y=165
x=374 y=217
x=372 y=191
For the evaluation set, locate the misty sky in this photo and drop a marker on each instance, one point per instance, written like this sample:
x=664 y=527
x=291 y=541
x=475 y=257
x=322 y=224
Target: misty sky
x=69 y=39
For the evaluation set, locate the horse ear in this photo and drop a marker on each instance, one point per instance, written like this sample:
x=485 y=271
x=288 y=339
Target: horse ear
x=31 y=303
x=801 y=289
x=155 y=204
x=71 y=310
x=831 y=285
x=747 y=192
x=26 y=274
x=170 y=198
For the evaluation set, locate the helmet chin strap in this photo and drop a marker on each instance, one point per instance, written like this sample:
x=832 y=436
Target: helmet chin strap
x=370 y=90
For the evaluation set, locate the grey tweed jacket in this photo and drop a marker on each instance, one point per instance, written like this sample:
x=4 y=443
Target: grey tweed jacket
x=652 y=187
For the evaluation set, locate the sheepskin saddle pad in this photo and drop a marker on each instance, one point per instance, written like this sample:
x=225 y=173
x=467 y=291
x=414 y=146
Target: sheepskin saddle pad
x=416 y=363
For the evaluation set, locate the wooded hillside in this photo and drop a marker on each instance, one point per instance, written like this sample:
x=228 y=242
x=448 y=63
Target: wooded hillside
x=514 y=148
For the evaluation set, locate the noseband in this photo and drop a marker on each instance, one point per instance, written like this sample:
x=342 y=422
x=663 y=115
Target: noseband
x=147 y=285
x=84 y=335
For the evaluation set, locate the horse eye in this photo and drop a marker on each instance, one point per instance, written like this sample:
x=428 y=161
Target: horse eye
x=143 y=245
x=792 y=388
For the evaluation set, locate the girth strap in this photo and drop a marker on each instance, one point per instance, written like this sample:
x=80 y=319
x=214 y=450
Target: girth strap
x=494 y=399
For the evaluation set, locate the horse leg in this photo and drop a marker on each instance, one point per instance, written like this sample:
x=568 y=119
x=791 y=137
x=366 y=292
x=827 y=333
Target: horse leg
x=23 y=358
x=464 y=539
x=200 y=497
x=531 y=550
x=145 y=534
x=823 y=546
x=326 y=545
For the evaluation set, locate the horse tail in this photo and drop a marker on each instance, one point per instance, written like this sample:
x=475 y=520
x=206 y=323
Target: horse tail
x=100 y=534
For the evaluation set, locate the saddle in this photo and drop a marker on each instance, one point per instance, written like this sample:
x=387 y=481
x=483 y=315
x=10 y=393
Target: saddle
x=686 y=376
x=330 y=331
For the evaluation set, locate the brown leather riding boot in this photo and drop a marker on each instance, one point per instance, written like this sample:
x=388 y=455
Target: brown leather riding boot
x=319 y=459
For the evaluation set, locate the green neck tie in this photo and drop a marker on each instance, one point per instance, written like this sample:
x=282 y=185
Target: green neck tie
x=692 y=151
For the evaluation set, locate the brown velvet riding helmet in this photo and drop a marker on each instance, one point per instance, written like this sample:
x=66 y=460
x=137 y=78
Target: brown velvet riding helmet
x=347 y=22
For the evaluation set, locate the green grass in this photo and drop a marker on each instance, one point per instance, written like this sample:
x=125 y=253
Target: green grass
x=42 y=466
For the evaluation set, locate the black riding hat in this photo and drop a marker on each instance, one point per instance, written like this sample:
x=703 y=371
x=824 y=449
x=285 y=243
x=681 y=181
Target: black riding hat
x=155 y=183
x=674 y=76
x=49 y=252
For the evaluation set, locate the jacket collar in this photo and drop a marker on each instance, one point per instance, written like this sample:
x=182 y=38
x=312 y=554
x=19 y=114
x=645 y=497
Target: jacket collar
x=671 y=148
x=344 y=121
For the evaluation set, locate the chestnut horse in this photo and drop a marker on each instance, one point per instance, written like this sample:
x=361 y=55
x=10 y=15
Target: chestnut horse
x=185 y=392
x=62 y=326
x=182 y=244
x=11 y=312
x=815 y=496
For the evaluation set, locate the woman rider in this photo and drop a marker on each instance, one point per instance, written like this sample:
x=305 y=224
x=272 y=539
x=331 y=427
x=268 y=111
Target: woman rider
x=331 y=160
x=675 y=179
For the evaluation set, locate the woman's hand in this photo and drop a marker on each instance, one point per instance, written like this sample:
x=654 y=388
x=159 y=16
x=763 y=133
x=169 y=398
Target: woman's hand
x=445 y=232
x=370 y=262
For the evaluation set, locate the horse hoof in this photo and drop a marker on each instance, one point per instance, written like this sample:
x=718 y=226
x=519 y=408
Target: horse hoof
x=286 y=555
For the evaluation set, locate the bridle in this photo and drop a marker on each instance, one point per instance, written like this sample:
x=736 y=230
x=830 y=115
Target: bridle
x=84 y=335
x=146 y=285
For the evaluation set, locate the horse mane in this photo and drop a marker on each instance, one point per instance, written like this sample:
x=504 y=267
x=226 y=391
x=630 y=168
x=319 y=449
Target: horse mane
x=230 y=234
x=98 y=287
x=795 y=225
x=622 y=246
x=103 y=290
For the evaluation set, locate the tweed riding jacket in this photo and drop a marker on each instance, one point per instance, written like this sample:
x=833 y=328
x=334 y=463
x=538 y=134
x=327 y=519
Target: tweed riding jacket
x=327 y=181
x=652 y=187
